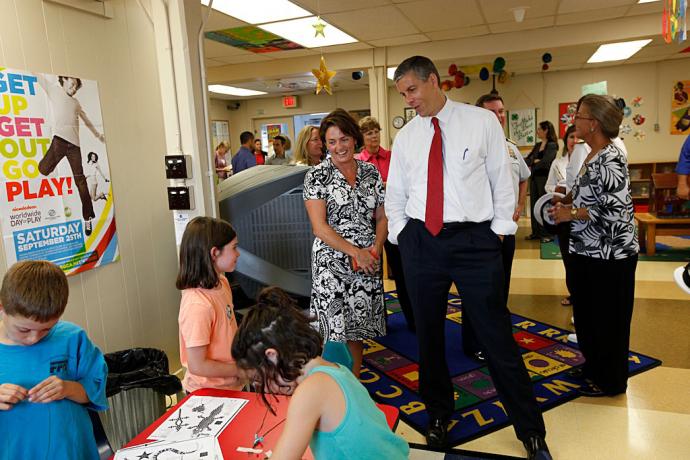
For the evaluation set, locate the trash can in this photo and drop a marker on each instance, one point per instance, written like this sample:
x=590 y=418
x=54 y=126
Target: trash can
x=138 y=382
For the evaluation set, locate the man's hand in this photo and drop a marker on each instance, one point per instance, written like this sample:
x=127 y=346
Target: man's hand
x=10 y=395
x=683 y=191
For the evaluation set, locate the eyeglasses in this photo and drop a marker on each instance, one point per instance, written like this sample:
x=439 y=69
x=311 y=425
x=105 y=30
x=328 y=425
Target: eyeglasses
x=580 y=117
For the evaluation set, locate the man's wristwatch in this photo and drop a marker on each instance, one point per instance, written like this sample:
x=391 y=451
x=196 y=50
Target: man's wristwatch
x=573 y=213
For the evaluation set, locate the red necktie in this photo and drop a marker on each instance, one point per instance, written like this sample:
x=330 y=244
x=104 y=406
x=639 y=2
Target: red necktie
x=433 y=220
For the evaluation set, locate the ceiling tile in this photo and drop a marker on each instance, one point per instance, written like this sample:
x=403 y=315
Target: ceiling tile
x=586 y=16
x=430 y=15
x=404 y=40
x=213 y=63
x=367 y=24
x=251 y=57
x=501 y=10
x=527 y=24
x=457 y=32
x=646 y=8
x=575 y=6
x=218 y=21
x=338 y=6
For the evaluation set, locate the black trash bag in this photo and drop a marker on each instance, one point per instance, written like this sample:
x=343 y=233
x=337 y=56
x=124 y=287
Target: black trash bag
x=140 y=368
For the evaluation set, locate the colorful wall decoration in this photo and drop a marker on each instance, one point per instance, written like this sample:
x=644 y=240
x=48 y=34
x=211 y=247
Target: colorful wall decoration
x=680 y=108
x=56 y=198
x=522 y=126
x=252 y=39
x=566 y=117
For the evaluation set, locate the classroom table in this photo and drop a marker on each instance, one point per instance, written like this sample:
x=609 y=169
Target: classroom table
x=240 y=432
x=650 y=226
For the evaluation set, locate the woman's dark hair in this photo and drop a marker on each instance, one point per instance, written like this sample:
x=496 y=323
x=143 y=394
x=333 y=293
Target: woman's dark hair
x=548 y=128
x=93 y=155
x=196 y=266
x=345 y=123
x=275 y=322
x=571 y=129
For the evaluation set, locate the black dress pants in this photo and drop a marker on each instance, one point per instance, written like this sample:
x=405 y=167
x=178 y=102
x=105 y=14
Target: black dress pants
x=603 y=296
x=470 y=345
x=470 y=256
x=536 y=191
x=395 y=262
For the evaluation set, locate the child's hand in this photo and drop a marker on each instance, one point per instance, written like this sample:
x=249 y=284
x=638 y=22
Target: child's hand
x=10 y=395
x=51 y=389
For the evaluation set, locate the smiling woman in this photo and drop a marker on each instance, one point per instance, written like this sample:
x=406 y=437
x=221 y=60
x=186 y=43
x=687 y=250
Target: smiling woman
x=344 y=201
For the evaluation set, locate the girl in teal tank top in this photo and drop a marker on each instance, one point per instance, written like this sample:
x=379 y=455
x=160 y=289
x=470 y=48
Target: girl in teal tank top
x=330 y=409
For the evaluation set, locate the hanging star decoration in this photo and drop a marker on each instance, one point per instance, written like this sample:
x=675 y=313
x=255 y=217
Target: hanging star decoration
x=318 y=27
x=323 y=77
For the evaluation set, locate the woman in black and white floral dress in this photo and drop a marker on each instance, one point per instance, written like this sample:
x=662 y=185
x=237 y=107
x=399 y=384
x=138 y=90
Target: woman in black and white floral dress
x=603 y=248
x=344 y=199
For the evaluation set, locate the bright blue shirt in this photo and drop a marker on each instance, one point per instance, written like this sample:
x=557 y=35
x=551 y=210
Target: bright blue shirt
x=244 y=159
x=683 y=166
x=363 y=433
x=59 y=429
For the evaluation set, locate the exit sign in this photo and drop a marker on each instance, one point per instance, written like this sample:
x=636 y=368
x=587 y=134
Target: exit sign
x=289 y=102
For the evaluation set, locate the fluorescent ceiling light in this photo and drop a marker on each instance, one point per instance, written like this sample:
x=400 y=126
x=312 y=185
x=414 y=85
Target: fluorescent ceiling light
x=301 y=31
x=647 y=1
x=232 y=91
x=259 y=11
x=617 y=51
x=390 y=72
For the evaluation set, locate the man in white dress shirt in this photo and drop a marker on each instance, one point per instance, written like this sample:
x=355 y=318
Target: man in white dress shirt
x=449 y=201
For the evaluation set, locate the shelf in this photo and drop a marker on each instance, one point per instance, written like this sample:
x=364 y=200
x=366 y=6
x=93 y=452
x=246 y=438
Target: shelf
x=639 y=180
x=640 y=197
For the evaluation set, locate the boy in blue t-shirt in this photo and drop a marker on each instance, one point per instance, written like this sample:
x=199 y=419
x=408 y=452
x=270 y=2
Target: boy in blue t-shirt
x=50 y=372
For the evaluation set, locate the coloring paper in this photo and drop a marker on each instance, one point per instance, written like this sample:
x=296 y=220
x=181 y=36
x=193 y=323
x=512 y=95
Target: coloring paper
x=205 y=448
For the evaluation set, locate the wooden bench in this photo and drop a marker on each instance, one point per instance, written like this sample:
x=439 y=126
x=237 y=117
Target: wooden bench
x=650 y=226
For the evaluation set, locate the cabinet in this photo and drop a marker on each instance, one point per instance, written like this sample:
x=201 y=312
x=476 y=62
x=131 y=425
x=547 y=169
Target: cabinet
x=641 y=185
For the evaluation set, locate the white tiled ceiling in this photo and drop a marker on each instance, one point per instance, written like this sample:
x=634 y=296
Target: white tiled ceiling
x=398 y=23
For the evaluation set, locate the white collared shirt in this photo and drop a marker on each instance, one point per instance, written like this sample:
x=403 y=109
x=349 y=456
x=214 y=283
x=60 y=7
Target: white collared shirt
x=477 y=180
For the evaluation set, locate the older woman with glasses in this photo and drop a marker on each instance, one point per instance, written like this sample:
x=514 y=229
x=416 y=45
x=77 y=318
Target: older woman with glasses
x=603 y=249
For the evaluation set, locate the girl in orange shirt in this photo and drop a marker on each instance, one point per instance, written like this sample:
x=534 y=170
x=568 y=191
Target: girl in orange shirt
x=207 y=318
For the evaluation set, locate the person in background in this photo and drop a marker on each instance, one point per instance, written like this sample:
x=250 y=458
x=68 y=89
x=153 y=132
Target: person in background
x=448 y=214
x=683 y=171
x=51 y=374
x=244 y=158
x=378 y=156
x=222 y=169
x=309 y=150
x=207 y=319
x=329 y=407
x=556 y=182
x=344 y=201
x=603 y=247
x=682 y=274
x=280 y=145
x=520 y=174
x=91 y=170
x=539 y=160
x=259 y=154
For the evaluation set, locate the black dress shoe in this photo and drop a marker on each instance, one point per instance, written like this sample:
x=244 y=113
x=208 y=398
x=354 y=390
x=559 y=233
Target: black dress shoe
x=436 y=436
x=536 y=448
x=576 y=373
x=479 y=357
x=532 y=237
x=591 y=390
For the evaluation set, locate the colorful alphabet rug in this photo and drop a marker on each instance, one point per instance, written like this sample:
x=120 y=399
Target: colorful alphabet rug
x=391 y=374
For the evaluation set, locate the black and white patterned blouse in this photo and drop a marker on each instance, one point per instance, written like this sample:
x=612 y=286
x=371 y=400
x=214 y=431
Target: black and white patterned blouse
x=348 y=304
x=603 y=187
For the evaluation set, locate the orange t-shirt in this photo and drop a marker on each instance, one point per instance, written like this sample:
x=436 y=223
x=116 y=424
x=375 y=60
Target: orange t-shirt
x=207 y=318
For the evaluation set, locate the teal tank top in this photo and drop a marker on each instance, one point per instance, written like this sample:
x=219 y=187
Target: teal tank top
x=363 y=433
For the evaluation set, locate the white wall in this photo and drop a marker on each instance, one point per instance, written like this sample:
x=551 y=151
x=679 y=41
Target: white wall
x=653 y=81
x=132 y=302
x=266 y=108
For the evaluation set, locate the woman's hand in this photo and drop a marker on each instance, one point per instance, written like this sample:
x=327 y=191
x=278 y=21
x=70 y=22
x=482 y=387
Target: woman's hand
x=560 y=213
x=367 y=260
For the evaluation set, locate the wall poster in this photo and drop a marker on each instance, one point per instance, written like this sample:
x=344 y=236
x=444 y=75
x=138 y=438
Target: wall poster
x=680 y=108
x=522 y=126
x=566 y=117
x=56 y=199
